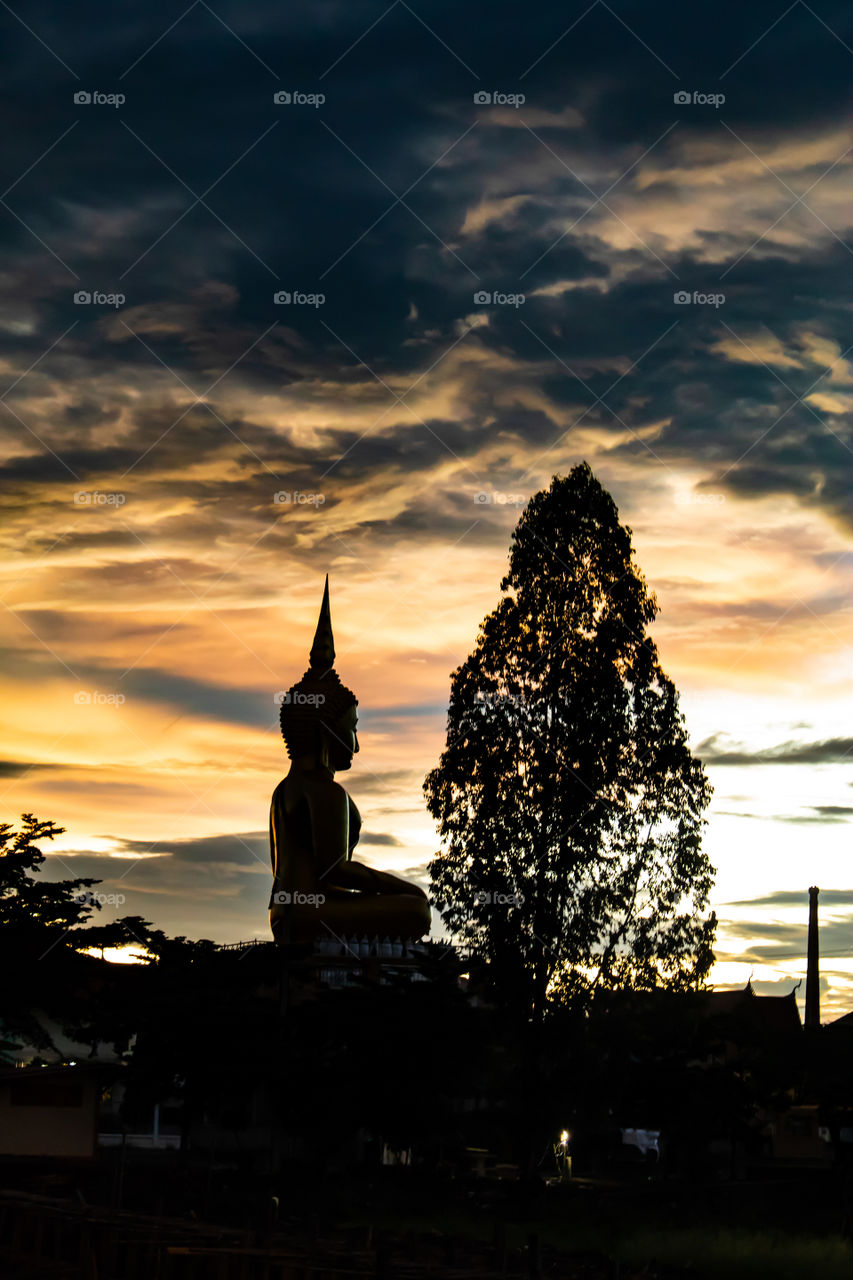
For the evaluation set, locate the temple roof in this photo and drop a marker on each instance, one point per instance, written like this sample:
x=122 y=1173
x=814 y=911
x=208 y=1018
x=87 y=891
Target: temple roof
x=773 y=1015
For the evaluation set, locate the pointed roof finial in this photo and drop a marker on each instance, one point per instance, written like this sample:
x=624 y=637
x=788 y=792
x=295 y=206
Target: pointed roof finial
x=323 y=649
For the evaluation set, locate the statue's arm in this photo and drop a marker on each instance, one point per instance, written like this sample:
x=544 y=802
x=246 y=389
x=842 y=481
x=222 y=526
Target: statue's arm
x=355 y=875
x=329 y=813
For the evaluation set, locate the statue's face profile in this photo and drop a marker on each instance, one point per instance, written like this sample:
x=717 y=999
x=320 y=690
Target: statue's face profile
x=343 y=743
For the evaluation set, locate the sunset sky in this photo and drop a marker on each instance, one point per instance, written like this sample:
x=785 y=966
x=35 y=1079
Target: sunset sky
x=156 y=594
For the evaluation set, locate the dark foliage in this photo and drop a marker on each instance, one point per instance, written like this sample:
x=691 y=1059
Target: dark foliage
x=567 y=795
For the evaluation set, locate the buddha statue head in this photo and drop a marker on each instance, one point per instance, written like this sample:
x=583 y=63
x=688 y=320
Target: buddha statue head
x=318 y=713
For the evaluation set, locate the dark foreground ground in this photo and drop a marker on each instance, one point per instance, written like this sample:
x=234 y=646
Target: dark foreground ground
x=184 y=1223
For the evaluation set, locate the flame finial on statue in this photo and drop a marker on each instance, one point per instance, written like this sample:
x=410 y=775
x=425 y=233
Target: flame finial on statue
x=323 y=649
x=319 y=697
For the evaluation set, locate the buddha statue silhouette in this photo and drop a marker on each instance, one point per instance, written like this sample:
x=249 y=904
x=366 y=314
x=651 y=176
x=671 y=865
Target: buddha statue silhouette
x=318 y=888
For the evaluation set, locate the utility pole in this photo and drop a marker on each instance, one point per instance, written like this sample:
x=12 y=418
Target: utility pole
x=813 y=969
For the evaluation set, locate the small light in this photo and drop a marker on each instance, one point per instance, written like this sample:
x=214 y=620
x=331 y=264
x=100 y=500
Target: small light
x=564 y=1137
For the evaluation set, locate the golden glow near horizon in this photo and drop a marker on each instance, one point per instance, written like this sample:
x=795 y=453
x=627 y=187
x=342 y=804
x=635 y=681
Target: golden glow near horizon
x=139 y=768
x=118 y=955
x=154 y=607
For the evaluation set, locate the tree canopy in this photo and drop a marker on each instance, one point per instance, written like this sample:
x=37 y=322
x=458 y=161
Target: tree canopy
x=567 y=798
x=26 y=900
x=44 y=926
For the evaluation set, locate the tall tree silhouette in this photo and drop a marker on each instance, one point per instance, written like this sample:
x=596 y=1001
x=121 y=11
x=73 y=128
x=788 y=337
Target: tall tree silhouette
x=567 y=798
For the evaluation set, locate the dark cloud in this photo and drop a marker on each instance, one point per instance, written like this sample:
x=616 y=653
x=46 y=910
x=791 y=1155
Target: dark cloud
x=823 y=815
x=199 y=849
x=774 y=941
x=211 y=887
x=242 y=846
x=794 y=898
x=381 y=782
x=389 y=717
x=199 y=100
x=201 y=698
x=19 y=768
x=830 y=751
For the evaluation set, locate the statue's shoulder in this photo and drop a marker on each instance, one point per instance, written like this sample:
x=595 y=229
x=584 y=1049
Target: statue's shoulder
x=337 y=794
x=323 y=790
x=309 y=787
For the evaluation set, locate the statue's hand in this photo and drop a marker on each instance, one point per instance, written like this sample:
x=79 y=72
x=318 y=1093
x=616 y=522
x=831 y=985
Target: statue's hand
x=355 y=875
x=388 y=883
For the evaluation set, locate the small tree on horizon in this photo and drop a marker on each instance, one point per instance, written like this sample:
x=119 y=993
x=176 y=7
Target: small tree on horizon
x=567 y=797
x=26 y=900
x=61 y=910
x=44 y=924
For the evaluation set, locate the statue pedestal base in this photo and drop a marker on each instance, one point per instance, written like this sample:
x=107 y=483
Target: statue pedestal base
x=329 y=963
